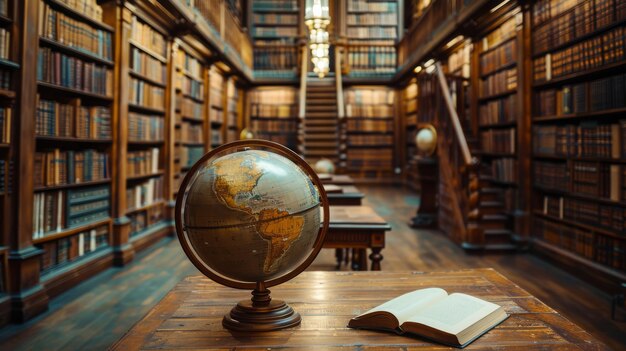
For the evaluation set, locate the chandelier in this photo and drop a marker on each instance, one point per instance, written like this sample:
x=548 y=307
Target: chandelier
x=317 y=19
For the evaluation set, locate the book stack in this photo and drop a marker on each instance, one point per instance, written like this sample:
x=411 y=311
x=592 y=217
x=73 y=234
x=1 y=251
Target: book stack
x=57 y=210
x=68 y=249
x=58 y=167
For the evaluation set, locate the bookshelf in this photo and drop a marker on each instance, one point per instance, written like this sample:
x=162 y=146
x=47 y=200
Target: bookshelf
x=372 y=30
x=72 y=176
x=410 y=108
x=216 y=106
x=274 y=115
x=191 y=110
x=370 y=119
x=275 y=29
x=233 y=111
x=579 y=133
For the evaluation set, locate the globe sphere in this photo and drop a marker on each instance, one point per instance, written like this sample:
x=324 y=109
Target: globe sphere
x=324 y=165
x=426 y=140
x=246 y=134
x=250 y=216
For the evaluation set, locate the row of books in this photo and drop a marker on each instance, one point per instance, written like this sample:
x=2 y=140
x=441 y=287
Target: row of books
x=5 y=44
x=370 y=158
x=146 y=36
x=385 y=19
x=372 y=6
x=60 y=167
x=190 y=133
x=59 y=69
x=5 y=180
x=551 y=175
x=370 y=32
x=190 y=108
x=5 y=79
x=142 y=162
x=60 y=120
x=145 y=193
x=58 y=26
x=605 y=250
x=56 y=253
x=286 y=110
x=275 y=96
x=216 y=138
x=597 y=95
x=89 y=8
x=189 y=64
x=5 y=124
x=498 y=111
x=276 y=58
x=500 y=141
x=589 y=139
x=231 y=135
x=274 y=125
x=216 y=115
x=269 y=19
x=503 y=169
x=144 y=127
x=289 y=140
x=381 y=59
x=367 y=110
x=611 y=217
x=190 y=87
x=4 y=7
x=583 y=56
x=544 y=10
x=504 y=32
x=370 y=140
x=270 y=32
x=143 y=220
x=58 y=210
x=501 y=56
x=188 y=155
x=146 y=95
x=147 y=66
x=500 y=82
x=369 y=125
x=459 y=61
x=267 y=5
x=585 y=178
x=369 y=96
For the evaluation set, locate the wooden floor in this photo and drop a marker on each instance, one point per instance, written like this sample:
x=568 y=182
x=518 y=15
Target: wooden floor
x=98 y=312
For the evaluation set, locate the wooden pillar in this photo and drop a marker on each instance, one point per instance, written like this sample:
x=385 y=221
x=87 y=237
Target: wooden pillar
x=428 y=173
x=170 y=131
x=28 y=297
x=121 y=16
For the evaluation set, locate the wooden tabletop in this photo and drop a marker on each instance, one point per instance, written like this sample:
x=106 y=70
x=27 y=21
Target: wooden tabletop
x=190 y=316
x=337 y=179
x=354 y=214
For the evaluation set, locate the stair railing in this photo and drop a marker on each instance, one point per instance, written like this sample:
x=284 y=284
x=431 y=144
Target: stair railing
x=341 y=126
x=304 y=67
x=457 y=165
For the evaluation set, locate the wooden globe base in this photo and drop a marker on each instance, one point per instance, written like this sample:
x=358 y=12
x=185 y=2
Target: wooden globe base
x=261 y=314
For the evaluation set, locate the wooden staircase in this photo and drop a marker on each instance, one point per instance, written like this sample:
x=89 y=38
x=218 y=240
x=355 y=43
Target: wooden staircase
x=319 y=132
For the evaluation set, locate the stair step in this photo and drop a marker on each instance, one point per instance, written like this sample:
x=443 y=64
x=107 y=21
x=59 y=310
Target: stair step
x=320 y=123
x=321 y=115
x=500 y=248
x=491 y=207
x=320 y=153
x=318 y=137
x=498 y=236
x=493 y=221
x=490 y=194
x=321 y=99
x=320 y=129
x=331 y=109
x=321 y=145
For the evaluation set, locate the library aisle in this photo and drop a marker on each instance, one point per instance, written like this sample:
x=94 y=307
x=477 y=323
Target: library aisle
x=103 y=308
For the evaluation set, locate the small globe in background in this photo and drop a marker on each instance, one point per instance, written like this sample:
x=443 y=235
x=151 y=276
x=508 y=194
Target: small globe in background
x=426 y=140
x=251 y=216
x=246 y=134
x=324 y=166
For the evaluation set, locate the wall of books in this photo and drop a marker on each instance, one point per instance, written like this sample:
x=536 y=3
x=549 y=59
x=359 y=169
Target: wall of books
x=216 y=106
x=234 y=110
x=275 y=28
x=372 y=30
x=579 y=130
x=191 y=113
x=370 y=120
x=274 y=115
x=73 y=136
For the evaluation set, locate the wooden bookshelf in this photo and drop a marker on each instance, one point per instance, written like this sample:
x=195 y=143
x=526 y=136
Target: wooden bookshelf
x=370 y=126
x=274 y=115
x=578 y=134
x=233 y=111
x=217 y=98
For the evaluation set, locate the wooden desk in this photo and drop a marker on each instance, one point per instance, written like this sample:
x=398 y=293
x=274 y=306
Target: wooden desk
x=337 y=179
x=343 y=195
x=190 y=316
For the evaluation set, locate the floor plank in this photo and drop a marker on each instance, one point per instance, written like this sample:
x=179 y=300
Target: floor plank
x=97 y=312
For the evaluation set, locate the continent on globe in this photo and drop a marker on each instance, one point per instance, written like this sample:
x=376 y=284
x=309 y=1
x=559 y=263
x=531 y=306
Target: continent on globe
x=236 y=176
x=280 y=231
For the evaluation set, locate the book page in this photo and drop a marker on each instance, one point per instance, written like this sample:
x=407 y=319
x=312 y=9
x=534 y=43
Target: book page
x=407 y=305
x=454 y=313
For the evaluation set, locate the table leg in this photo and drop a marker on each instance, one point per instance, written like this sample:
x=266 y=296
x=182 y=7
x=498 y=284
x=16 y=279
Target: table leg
x=355 y=259
x=339 y=256
x=362 y=259
x=376 y=257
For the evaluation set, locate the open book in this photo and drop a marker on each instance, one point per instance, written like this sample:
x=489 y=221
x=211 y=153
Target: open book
x=455 y=319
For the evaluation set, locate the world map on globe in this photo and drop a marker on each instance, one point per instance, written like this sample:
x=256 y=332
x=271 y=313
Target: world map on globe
x=252 y=215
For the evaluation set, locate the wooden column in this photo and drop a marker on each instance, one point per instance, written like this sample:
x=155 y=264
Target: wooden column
x=170 y=131
x=426 y=216
x=121 y=16
x=28 y=297
x=207 y=125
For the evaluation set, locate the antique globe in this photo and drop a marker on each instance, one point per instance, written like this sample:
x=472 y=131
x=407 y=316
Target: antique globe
x=249 y=216
x=426 y=140
x=324 y=166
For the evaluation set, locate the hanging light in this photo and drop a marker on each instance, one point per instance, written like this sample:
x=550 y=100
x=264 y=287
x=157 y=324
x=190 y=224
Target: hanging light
x=317 y=20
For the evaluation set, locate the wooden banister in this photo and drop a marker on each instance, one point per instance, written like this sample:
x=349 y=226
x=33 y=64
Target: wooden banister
x=339 y=82
x=304 y=66
x=454 y=116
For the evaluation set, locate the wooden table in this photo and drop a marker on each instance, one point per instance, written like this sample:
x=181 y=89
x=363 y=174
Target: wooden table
x=190 y=316
x=343 y=195
x=358 y=228
x=337 y=179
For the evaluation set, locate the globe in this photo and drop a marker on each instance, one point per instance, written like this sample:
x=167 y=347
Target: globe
x=248 y=216
x=324 y=166
x=426 y=140
x=246 y=134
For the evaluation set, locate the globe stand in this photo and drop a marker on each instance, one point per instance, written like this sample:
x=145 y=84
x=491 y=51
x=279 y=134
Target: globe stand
x=261 y=313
